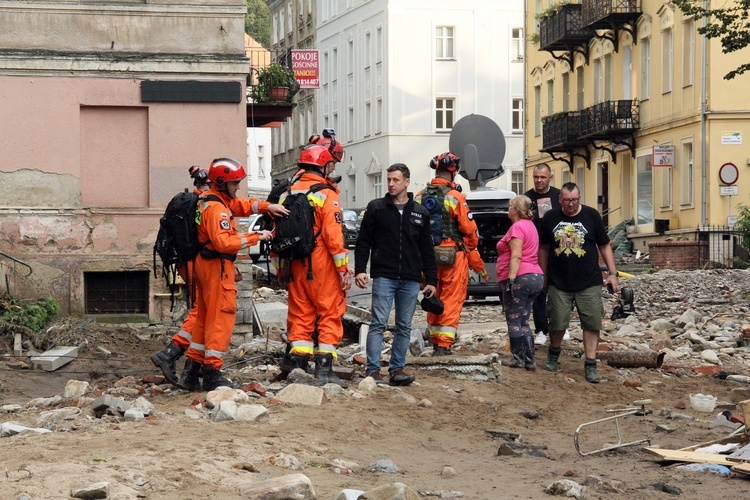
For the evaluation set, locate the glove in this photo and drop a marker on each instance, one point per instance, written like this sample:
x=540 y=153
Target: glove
x=509 y=288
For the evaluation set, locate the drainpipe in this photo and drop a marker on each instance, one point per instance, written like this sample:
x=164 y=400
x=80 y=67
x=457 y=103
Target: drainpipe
x=704 y=110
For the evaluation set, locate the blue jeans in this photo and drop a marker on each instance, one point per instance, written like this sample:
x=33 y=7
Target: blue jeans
x=384 y=292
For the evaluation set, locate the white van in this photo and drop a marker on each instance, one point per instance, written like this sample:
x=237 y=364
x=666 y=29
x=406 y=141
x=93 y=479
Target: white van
x=489 y=207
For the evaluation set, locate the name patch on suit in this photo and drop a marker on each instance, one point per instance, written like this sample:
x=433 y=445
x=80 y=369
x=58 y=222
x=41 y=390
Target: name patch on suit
x=224 y=224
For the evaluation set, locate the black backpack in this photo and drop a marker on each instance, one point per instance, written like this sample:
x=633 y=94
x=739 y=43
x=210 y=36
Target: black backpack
x=177 y=239
x=295 y=236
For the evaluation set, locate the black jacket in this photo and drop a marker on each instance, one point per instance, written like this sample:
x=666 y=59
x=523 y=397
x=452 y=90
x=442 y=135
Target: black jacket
x=400 y=245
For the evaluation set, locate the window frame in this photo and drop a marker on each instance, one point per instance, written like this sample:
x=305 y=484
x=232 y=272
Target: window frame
x=445 y=43
x=444 y=112
x=517 y=115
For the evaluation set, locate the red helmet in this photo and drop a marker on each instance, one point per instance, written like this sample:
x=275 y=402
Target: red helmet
x=448 y=161
x=223 y=170
x=315 y=155
x=330 y=142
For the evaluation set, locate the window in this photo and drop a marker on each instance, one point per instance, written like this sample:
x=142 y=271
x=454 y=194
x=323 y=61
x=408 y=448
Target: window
x=116 y=292
x=688 y=52
x=517 y=183
x=565 y=176
x=379 y=45
x=368 y=49
x=666 y=187
x=644 y=190
x=686 y=174
x=289 y=14
x=517 y=118
x=580 y=181
x=517 y=44
x=444 y=113
x=275 y=30
x=350 y=59
x=667 y=62
x=645 y=68
x=598 y=83
x=444 y=42
x=626 y=71
x=579 y=88
x=607 y=77
x=377 y=185
x=261 y=166
x=350 y=126
x=538 y=110
x=379 y=116
x=566 y=91
x=368 y=118
x=550 y=97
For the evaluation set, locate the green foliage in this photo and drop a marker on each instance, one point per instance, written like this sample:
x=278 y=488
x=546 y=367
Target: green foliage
x=33 y=316
x=651 y=270
x=743 y=224
x=275 y=75
x=258 y=21
x=729 y=23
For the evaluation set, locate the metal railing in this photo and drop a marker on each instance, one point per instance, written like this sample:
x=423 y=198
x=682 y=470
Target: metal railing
x=561 y=30
x=609 y=117
x=10 y=272
x=561 y=130
x=723 y=248
x=596 y=10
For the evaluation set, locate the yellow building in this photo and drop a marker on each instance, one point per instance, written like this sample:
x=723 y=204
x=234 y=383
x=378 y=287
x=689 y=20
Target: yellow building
x=626 y=99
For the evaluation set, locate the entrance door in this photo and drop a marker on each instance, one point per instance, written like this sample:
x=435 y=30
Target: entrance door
x=602 y=191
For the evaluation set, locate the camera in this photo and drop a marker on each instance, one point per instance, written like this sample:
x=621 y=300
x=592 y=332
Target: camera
x=199 y=175
x=328 y=133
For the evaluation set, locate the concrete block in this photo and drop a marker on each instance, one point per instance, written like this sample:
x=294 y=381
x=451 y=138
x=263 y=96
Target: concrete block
x=272 y=312
x=54 y=358
x=18 y=345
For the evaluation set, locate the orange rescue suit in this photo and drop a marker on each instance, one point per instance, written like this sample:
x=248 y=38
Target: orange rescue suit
x=453 y=281
x=321 y=297
x=216 y=292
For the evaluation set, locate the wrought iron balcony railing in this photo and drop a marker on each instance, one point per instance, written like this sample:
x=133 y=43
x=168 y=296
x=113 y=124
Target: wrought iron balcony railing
x=606 y=13
x=564 y=29
x=561 y=131
x=610 y=118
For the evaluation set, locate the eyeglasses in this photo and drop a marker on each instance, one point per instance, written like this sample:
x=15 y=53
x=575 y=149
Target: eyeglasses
x=570 y=201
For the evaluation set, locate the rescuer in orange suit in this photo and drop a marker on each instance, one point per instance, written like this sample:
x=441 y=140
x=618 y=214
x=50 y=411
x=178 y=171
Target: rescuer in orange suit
x=216 y=295
x=317 y=286
x=455 y=235
x=166 y=358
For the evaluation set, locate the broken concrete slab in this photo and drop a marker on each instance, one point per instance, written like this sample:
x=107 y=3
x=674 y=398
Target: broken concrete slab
x=54 y=358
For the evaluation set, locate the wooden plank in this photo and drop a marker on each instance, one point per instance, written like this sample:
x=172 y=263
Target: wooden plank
x=745 y=407
x=690 y=456
x=742 y=469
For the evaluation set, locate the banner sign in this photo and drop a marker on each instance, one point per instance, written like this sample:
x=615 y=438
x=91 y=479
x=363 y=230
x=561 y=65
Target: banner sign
x=662 y=156
x=306 y=67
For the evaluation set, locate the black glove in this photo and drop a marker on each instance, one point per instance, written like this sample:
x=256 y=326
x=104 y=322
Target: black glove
x=509 y=288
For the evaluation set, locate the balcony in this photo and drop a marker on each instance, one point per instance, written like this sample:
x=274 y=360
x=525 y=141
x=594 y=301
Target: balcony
x=612 y=16
x=261 y=112
x=564 y=30
x=612 y=121
x=609 y=119
x=560 y=132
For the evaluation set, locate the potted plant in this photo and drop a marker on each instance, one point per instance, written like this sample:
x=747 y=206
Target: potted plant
x=276 y=83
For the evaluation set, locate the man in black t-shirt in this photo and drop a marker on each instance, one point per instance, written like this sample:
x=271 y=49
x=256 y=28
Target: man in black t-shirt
x=568 y=241
x=543 y=199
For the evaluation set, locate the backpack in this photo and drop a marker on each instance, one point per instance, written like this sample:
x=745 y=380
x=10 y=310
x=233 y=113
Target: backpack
x=295 y=236
x=441 y=225
x=177 y=239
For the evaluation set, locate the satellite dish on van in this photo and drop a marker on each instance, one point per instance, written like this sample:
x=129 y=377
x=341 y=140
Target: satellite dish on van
x=481 y=145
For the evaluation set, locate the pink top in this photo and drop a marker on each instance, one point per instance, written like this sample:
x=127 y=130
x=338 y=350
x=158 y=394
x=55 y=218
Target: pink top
x=524 y=230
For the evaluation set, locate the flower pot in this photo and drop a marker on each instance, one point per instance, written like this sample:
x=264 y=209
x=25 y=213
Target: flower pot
x=278 y=94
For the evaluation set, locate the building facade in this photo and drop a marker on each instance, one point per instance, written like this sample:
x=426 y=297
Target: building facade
x=105 y=105
x=397 y=75
x=627 y=100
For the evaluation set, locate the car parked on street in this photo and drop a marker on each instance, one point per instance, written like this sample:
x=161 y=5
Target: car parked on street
x=252 y=224
x=351 y=225
x=489 y=206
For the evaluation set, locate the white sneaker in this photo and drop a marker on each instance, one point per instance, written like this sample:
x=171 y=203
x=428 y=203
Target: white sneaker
x=567 y=335
x=540 y=339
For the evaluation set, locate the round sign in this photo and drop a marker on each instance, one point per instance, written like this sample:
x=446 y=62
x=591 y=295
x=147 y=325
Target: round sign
x=728 y=173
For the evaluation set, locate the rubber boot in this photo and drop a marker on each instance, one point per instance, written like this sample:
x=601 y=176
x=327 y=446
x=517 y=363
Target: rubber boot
x=553 y=356
x=324 y=369
x=189 y=379
x=213 y=379
x=529 y=353
x=441 y=351
x=166 y=360
x=291 y=361
x=518 y=349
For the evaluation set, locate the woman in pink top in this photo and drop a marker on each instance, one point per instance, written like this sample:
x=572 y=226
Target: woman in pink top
x=521 y=280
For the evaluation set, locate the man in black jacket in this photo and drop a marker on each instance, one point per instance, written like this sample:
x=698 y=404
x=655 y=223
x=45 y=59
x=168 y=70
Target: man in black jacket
x=395 y=231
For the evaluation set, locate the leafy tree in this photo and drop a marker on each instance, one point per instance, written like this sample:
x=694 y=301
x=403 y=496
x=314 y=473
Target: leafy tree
x=729 y=23
x=743 y=224
x=258 y=21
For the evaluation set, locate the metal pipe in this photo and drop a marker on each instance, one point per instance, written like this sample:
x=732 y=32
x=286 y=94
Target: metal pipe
x=632 y=359
x=704 y=110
